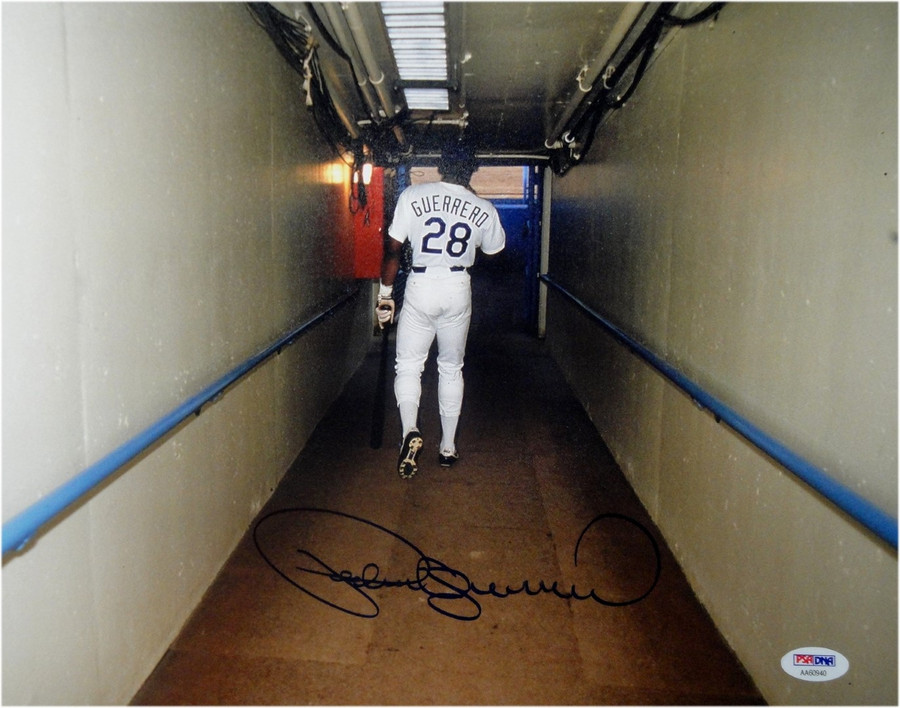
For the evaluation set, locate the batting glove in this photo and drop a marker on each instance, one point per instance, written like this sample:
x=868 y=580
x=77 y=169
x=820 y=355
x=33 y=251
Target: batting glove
x=385 y=312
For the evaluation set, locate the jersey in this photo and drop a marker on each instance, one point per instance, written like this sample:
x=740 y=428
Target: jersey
x=445 y=224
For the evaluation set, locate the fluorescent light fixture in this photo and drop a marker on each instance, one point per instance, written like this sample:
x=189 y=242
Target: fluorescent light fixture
x=418 y=36
x=428 y=99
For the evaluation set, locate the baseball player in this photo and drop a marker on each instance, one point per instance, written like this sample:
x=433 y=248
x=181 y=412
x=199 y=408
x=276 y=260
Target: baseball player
x=445 y=223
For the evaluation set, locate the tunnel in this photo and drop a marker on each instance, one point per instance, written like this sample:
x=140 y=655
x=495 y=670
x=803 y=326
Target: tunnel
x=676 y=479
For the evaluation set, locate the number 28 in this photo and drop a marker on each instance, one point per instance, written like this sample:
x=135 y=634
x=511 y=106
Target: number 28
x=458 y=242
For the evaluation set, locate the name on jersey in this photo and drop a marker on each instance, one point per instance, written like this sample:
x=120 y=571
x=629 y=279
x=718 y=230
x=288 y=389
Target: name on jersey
x=462 y=208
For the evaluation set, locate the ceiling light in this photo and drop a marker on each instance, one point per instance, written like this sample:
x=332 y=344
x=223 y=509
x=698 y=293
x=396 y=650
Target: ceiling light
x=427 y=99
x=418 y=36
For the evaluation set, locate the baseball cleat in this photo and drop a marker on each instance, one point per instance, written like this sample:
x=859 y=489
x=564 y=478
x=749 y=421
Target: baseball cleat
x=409 y=453
x=446 y=459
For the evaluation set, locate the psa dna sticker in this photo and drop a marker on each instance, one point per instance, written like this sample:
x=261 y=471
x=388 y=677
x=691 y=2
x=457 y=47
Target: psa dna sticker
x=815 y=664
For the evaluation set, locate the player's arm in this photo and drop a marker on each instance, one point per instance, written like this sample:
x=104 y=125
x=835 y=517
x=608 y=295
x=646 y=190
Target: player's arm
x=494 y=240
x=390 y=264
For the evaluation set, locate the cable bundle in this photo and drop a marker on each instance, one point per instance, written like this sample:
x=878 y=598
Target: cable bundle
x=295 y=42
x=605 y=96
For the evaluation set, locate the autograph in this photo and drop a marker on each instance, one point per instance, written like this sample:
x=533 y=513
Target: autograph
x=448 y=590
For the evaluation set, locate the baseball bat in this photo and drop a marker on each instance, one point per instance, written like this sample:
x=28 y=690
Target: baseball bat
x=377 y=435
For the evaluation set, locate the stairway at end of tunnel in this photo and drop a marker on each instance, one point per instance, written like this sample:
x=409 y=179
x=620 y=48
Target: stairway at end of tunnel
x=528 y=573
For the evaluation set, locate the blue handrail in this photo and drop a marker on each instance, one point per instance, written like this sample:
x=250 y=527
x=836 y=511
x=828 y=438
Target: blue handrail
x=18 y=531
x=864 y=511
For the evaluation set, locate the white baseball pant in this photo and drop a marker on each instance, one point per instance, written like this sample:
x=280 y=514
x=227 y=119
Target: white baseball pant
x=437 y=303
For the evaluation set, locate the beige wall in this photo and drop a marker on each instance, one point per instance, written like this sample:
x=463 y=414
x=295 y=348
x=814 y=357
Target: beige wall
x=738 y=216
x=167 y=213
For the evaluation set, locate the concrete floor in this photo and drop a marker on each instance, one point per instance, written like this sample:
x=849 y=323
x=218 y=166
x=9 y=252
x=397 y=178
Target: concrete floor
x=534 y=483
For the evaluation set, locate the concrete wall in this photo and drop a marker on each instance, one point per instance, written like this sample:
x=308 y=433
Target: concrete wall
x=168 y=211
x=738 y=217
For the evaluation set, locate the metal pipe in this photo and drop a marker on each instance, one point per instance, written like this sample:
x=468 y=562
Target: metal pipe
x=544 y=265
x=860 y=509
x=376 y=75
x=18 y=531
x=342 y=34
x=627 y=18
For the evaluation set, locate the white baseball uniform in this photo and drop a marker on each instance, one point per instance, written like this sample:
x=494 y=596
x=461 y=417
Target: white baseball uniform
x=445 y=224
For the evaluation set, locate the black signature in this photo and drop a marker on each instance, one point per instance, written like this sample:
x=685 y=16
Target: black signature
x=448 y=590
